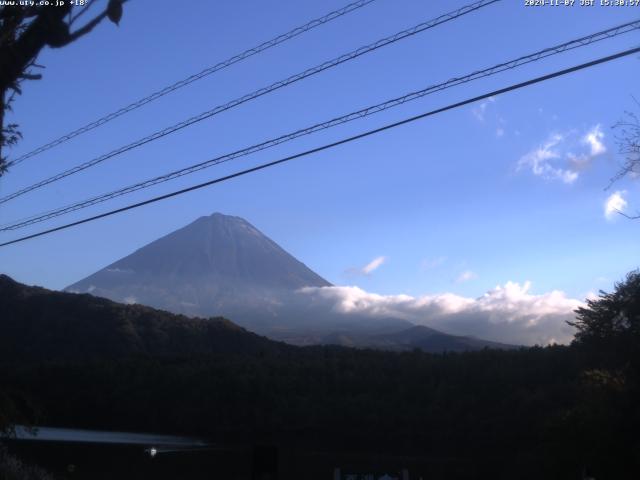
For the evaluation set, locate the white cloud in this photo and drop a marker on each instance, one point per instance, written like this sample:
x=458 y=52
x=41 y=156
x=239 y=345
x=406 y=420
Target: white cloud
x=499 y=132
x=466 y=276
x=591 y=295
x=369 y=268
x=130 y=300
x=614 y=204
x=568 y=176
x=373 y=265
x=593 y=139
x=508 y=313
x=540 y=160
x=562 y=156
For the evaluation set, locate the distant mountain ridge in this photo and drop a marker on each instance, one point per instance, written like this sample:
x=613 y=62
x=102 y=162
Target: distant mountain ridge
x=416 y=337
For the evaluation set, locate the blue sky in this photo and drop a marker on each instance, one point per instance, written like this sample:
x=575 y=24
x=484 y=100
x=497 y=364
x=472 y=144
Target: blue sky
x=508 y=190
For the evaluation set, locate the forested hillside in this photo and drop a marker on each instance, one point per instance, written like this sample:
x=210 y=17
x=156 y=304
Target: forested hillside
x=41 y=325
x=546 y=412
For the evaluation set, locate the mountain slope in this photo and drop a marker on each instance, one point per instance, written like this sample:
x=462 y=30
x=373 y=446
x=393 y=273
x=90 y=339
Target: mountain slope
x=217 y=265
x=416 y=337
x=223 y=266
x=37 y=324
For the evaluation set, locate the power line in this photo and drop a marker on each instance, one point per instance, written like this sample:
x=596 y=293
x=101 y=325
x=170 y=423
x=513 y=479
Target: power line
x=580 y=42
x=195 y=77
x=334 y=144
x=258 y=93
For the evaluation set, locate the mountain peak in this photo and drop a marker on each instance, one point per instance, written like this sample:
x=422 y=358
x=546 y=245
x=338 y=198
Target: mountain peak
x=221 y=221
x=217 y=216
x=216 y=260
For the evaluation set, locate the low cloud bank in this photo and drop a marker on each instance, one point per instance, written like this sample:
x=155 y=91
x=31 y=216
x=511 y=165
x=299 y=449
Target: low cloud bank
x=508 y=313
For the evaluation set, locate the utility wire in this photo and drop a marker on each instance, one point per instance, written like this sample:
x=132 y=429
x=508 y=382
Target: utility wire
x=583 y=41
x=258 y=93
x=195 y=77
x=334 y=144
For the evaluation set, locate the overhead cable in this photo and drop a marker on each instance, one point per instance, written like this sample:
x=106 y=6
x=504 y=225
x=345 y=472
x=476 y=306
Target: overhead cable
x=330 y=145
x=257 y=93
x=380 y=107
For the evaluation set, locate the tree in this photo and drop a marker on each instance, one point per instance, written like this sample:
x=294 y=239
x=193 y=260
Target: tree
x=628 y=140
x=24 y=31
x=609 y=326
x=606 y=417
x=7 y=413
x=12 y=468
x=629 y=143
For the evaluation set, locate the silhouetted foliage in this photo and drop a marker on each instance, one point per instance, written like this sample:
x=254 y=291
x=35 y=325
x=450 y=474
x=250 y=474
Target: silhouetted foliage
x=538 y=412
x=25 y=29
x=12 y=468
x=41 y=325
x=8 y=414
x=609 y=326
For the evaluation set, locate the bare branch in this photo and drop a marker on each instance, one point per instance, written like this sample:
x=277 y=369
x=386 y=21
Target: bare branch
x=31 y=76
x=630 y=217
x=24 y=32
x=628 y=140
x=86 y=29
x=82 y=11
